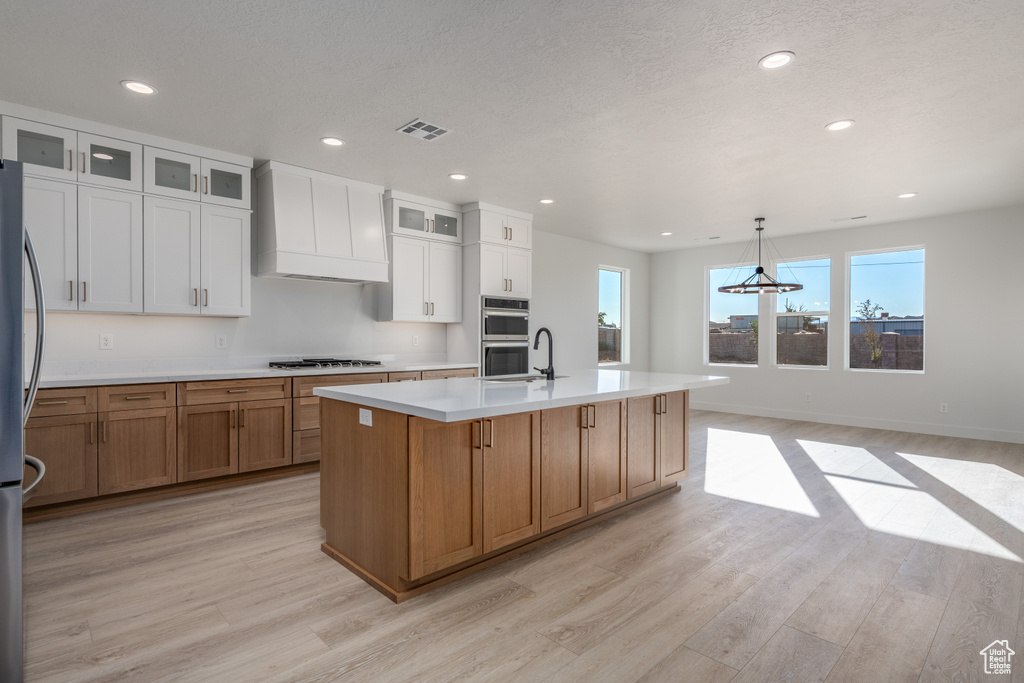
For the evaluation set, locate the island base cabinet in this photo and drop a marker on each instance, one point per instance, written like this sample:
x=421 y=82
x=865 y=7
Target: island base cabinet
x=445 y=494
x=606 y=455
x=67 y=446
x=136 y=449
x=511 y=471
x=564 y=476
x=675 y=437
x=658 y=441
x=264 y=434
x=207 y=441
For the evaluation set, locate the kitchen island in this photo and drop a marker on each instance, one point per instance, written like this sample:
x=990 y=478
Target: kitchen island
x=423 y=483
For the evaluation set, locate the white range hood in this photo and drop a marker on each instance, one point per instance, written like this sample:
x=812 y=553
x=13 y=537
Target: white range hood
x=317 y=226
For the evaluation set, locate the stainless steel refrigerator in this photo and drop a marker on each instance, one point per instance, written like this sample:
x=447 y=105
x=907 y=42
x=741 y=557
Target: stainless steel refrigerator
x=15 y=251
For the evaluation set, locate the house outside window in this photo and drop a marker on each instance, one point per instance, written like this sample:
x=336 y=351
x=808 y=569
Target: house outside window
x=732 y=332
x=886 y=311
x=801 y=317
x=612 y=315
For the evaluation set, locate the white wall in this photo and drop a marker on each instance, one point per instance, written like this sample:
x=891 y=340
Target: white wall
x=565 y=300
x=972 y=293
x=289 y=318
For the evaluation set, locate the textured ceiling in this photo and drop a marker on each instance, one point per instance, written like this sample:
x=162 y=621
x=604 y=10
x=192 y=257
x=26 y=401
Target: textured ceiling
x=636 y=117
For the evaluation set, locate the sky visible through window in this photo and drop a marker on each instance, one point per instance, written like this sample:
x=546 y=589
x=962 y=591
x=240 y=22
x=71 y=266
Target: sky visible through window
x=724 y=305
x=814 y=275
x=609 y=294
x=895 y=280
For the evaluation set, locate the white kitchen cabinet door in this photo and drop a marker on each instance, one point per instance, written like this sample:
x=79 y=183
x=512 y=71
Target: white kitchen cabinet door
x=446 y=225
x=518 y=269
x=224 y=261
x=445 y=283
x=108 y=162
x=171 y=174
x=492 y=227
x=225 y=184
x=109 y=251
x=493 y=281
x=519 y=232
x=51 y=215
x=171 y=236
x=47 y=151
x=409 y=282
x=366 y=215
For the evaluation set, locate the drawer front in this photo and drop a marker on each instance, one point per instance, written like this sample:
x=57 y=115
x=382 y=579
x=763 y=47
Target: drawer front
x=447 y=374
x=304 y=386
x=306 y=413
x=229 y=391
x=74 y=401
x=306 y=446
x=404 y=376
x=135 y=396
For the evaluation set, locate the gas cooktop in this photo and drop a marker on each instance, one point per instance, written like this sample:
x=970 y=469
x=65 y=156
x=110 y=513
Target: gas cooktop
x=322 y=363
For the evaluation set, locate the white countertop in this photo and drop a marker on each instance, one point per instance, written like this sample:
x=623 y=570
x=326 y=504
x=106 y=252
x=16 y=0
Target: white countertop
x=469 y=398
x=110 y=378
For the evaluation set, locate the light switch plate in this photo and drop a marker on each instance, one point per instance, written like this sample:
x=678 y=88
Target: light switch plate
x=366 y=417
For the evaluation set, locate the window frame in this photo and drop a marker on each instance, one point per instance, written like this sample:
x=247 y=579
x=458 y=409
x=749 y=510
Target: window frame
x=707 y=317
x=849 y=310
x=827 y=313
x=624 y=310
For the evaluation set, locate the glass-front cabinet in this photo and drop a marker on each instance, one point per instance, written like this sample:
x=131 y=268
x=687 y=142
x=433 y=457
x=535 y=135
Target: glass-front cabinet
x=183 y=176
x=418 y=219
x=109 y=162
x=225 y=184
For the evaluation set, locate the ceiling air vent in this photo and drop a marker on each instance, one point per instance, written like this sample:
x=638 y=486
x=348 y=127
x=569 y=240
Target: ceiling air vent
x=422 y=130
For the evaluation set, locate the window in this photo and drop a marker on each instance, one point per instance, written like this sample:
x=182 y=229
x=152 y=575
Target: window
x=887 y=310
x=801 y=318
x=732 y=319
x=611 y=314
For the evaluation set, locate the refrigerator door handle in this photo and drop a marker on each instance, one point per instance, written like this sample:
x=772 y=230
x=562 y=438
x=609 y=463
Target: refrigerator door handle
x=37 y=361
x=40 y=468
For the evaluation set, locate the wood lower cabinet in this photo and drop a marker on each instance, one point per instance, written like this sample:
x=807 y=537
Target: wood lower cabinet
x=136 y=449
x=511 y=479
x=408 y=376
x=606 y=454
x=449 y=374
x=67 y=446
x=658 y=441
x=207 y=441
x=306 y=410
x=264 y=434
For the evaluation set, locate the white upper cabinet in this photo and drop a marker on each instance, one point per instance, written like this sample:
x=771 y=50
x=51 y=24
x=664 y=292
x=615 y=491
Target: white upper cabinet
x=47 y=151
x=519 y=269
x=112 y=163
x=504 y=271
x=109 y=251
x=225 y=184
x=495 y=225
x=224 y=261
x=171 y=239
x=413 y=216
x=51 y=216
x=184 y=176
x=425 y=284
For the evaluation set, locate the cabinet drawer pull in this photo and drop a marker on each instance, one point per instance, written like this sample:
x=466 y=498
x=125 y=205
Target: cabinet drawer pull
x=51 y=403
x=137 y=397
x=83 y=169
x=238 y=391
x=71 y=160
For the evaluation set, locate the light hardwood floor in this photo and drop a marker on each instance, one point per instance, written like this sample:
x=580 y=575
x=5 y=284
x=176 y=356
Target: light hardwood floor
x=794 y=552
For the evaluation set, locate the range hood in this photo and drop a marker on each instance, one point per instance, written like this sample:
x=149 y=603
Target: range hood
x=317 y=226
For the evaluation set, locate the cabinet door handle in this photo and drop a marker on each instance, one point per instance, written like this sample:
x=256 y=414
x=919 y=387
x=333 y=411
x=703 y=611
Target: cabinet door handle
x=490 y=433
x=477 y=429
x=584 y=423
x=232 y=418
x=71 y=160
x=103 y=430
x=426 y=308
x=592 y=411
x=206 y=186
x=510 y=286
x=71 y=290
x=242 y=424
x=92 y=432
x=664 y=404
x=195 y=182
x=206 y=297
x=83 y=290
x=83 y=169
x=510 y=233
x=431 y=308
x=195 y=296
x=51 y=403
x=657 y=405
x=238 y=391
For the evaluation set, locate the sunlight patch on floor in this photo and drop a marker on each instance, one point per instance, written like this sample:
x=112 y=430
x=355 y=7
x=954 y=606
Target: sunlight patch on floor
x=749 y=467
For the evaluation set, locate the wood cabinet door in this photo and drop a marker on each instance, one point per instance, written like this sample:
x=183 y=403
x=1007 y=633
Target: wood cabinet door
x=306 y=446
x=606 y=440
x=207 y=441
x=675 y=437
x=136 y=449
x=224 y=261
x=109 y=251
x=445 y=283
x=50 y=212
x=445 y=494
x=264 y=434
x=563 y=474
x=511 y=462
x=170 y=229
x=642 y=443
x=67 y=446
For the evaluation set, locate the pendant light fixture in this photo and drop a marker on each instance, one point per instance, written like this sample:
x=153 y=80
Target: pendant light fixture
x=760 y=282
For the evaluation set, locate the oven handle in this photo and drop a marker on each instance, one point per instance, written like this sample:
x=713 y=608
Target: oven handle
x=491 y=312
x=490 y=344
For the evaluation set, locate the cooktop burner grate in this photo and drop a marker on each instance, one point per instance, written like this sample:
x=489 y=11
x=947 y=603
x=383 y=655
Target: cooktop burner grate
x=323 y=363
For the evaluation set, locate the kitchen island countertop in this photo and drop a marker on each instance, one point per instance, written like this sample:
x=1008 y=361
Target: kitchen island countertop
x=469 y=398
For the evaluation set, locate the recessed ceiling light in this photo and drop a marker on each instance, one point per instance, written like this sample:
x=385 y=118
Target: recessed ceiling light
x=139 y=87
x=547 y=201
x=906 y=195
x=102 y=156
x=665 y=234
x=839 y=125
x=776 y=59
x=457 y=176
x=333 y=142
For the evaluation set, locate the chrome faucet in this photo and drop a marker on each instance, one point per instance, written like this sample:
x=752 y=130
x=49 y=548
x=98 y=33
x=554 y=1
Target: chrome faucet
x=549 y=371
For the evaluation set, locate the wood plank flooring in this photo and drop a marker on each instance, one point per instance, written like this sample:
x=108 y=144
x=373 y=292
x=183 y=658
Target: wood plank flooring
x=855 y=555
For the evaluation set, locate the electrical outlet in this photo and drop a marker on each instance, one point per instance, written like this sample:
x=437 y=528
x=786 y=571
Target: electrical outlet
x=943 y=407
x=366 y=417
x=807 y=397
x=221 y=341
x=415 y=340
x=106 y=341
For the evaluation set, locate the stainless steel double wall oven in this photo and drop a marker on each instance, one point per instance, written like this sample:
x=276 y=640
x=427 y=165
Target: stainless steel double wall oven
x=504 y=336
